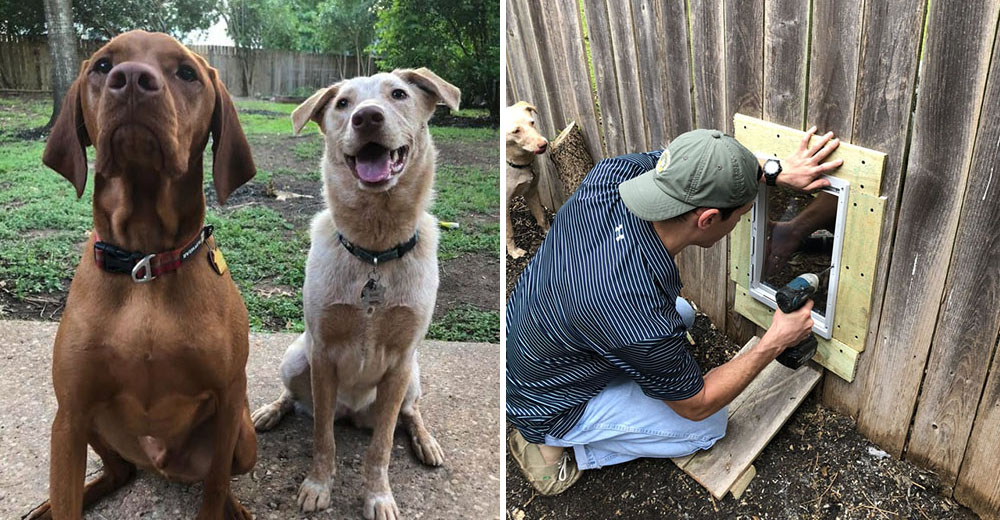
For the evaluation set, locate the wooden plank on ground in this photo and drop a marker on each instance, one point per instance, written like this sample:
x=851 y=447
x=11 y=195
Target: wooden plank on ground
x=979 y=481
x=605 y=70
x=944 y=125
x=755 y=416
x=786 y=31
x=744 y=60
x=885 y=91
x=968 y=321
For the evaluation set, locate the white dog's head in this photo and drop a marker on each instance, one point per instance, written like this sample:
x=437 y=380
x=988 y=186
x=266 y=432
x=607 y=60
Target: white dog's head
x=523 y=139
x=375 y=127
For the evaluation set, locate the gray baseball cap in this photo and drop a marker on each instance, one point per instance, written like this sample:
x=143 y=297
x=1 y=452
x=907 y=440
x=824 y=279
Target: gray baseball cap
x=699 y=169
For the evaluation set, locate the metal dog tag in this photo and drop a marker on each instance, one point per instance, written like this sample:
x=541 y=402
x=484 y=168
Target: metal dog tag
x=372 y=293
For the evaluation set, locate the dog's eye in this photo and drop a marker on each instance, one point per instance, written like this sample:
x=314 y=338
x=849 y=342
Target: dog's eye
x=341 y=103
x=399 y=94
x=187 y=73
x=103 y=66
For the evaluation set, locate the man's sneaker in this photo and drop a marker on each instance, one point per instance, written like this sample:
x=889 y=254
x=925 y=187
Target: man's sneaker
x=548 y=479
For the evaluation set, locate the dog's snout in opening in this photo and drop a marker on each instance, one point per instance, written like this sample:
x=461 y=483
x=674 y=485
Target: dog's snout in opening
x=542 y=147
x=132 y=76
x=368 y=119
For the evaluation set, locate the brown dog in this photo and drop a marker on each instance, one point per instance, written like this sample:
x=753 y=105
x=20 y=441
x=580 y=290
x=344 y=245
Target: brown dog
x=150 y=374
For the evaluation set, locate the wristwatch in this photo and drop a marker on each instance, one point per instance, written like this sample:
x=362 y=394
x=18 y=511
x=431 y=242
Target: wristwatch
x=772 y=167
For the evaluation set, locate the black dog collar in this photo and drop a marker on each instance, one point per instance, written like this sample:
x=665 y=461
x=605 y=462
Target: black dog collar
x=375 y=258
x=518 y=166
x=145 y=267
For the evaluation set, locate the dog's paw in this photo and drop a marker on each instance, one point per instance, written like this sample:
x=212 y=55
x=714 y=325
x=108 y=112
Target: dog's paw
x=314 y=495
x=266 y=417
x=381 y=506
x=428 y=450
x=516 y=253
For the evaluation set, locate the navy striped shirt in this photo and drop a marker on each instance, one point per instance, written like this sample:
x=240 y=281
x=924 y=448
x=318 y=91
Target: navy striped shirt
x=597 y=301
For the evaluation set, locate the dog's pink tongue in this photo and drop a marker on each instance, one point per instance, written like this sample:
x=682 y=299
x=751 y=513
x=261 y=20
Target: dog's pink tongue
x=373 y=169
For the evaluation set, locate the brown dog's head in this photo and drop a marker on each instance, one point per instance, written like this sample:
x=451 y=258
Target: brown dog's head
x=523 y=139
x=148 y=105
x=376 y=127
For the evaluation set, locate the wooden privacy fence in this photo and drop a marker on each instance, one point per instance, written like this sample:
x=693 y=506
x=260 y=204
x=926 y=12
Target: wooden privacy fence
x=26 y=65
x=928 y=383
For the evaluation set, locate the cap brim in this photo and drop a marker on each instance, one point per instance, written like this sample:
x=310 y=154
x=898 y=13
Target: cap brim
x=645 y=200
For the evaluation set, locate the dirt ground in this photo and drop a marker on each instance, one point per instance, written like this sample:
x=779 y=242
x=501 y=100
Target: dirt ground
x=817 y=467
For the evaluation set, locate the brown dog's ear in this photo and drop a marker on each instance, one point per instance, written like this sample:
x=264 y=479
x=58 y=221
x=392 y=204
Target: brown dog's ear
x=232 y=163
x=435 y=88
x=314 y=107
x=66 y=149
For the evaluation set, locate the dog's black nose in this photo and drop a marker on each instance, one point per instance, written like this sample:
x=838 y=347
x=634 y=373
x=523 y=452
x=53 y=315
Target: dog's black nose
x=367 y=119
x=131 y=76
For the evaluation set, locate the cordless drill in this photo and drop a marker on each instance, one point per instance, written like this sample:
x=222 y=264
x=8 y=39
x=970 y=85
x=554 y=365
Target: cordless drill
x=791 y=298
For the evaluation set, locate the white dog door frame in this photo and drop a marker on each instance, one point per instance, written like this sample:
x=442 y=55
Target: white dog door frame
x=822 y=323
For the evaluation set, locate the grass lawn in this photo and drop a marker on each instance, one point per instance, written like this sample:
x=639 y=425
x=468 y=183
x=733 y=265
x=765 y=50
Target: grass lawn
x=265 y=238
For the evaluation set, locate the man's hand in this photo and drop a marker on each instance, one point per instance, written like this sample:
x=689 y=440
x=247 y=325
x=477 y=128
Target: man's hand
x=787 y=330
x=801 y=170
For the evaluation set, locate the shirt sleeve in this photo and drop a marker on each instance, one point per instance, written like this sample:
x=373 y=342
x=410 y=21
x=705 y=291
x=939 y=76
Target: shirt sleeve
x=663 y=368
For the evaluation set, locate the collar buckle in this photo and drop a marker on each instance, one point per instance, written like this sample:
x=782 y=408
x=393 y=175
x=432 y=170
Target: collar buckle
x=147 y=276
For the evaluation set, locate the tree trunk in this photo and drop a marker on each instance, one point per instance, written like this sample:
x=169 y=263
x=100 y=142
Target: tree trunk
x=62 y=48
x=569 y=153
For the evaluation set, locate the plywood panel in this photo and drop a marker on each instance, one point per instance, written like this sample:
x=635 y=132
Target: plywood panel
x=891 y=35
x=969 y=317
x=944 y=124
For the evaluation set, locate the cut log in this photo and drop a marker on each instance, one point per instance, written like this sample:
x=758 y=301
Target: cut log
x=571 y=158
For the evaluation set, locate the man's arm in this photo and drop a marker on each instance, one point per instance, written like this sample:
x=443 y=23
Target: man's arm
x=802 y=170
x=726 y=381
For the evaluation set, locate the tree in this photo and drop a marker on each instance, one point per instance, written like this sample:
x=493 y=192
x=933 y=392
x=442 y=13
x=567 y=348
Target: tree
x=347 y=27
x=62 y=47
x=457 y=39
x=105 y=19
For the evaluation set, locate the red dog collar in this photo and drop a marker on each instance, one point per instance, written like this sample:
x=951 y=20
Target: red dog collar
x=141 y=266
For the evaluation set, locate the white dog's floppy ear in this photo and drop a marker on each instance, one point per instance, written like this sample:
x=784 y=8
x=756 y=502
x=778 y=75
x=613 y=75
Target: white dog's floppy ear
x=525 y=105
x=314 y=107
x=435 y=88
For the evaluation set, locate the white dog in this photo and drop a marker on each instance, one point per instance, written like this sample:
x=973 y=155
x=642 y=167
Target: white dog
x=371 y=277
x=523 y=144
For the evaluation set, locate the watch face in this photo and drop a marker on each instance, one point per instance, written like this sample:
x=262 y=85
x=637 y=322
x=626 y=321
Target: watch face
x=771 y=167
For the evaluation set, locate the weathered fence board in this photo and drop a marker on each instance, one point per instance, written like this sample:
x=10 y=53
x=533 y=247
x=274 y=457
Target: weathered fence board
x=979 y=481
x=630 y=97
x=573 y=62
x=602 y=55
x=948 y=108
x=969 y=318
x=786 y=28
x=890 y=46
x=26 y=65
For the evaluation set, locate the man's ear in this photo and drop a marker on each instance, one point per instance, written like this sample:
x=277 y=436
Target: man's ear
x=232 y=163
x=707 y=217
x=314 y=107
x=66 y=148
x=434 y=88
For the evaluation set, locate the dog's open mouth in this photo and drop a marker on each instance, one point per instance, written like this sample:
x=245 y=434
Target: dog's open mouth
x=375 y=164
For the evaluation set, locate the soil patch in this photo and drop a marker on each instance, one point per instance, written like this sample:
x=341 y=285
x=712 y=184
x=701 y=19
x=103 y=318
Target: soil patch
x=275 y=152
x=483 y=154
x=817 y=467
x=469 y=280
x=446 y=119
